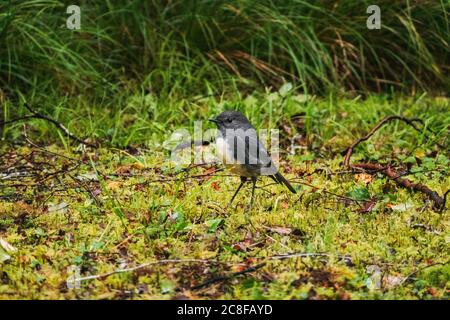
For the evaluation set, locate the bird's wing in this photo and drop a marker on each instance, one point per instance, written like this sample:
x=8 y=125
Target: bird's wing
x=249 y=150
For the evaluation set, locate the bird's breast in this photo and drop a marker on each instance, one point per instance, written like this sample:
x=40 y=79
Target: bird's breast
x=225 y=155
x=223 y=152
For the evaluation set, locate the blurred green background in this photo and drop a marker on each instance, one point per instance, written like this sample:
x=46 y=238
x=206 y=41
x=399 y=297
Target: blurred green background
x=159 y=58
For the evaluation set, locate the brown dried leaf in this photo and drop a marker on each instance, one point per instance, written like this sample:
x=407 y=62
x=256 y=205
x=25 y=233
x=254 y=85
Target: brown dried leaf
x=391 y=281
x=240 y=246
x=8 y=247
x=114 y=185
x=364 y=177
x=215 y=186
x=280 y=230
x=368 y=206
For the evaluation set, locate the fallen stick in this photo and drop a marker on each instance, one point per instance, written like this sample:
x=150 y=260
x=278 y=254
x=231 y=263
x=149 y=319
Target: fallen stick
x=221 y=278
x=60 y=126
x=224 y=278
x=141 y=266
x=350 y=149
x=408 y=277
x=438 y=201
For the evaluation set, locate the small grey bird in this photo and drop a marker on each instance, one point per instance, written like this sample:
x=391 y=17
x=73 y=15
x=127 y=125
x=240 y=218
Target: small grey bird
x=242 y=152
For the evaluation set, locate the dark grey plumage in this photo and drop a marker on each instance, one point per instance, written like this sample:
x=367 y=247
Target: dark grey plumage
x=240 y=148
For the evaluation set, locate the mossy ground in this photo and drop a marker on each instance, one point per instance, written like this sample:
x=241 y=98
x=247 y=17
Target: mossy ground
x=115 y=209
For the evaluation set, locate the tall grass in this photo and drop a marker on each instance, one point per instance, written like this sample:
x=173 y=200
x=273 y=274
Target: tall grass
x=206 y=46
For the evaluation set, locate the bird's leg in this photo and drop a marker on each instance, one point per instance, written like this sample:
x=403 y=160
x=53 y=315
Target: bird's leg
x=253 y=191
x=243 y=180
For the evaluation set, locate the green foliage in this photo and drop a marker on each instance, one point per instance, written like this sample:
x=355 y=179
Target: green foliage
x=203 y=47
x=359 y=194
x=143 y=214
x=214 y=224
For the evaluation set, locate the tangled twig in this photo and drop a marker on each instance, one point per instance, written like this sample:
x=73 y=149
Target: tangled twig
x=350 y=149
x=141 y=266
x=60 y=126
x=226 y=277
x=438 y=201
x=214 y=280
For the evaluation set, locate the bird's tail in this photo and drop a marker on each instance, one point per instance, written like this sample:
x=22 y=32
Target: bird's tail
x=278 y=177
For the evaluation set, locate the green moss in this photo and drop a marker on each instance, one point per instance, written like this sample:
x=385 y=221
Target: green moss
x=139 y=213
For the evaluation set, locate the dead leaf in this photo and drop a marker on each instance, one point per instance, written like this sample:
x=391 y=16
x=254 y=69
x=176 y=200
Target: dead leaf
x=207 y=174
x=96 y=191
x=420 y=153
x=8 y=247
x=113 y=185
x=137 y=166
x=59 y=207
x=21 y=206
x=391 y=281
x=280 y=230
x=139 y=187
x=250 y=261
x=127 y=168
x=364 y=177
x=401 y=207
x=215 y=186
x=433 y=292
x=238 y=268
x=240 y=247
x=368 y=206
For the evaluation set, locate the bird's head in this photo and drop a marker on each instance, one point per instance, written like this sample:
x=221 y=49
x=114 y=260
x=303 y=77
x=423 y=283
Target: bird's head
x=231 y=119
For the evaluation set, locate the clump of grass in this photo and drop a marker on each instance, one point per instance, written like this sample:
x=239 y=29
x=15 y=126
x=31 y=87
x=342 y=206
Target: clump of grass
x=194 y=47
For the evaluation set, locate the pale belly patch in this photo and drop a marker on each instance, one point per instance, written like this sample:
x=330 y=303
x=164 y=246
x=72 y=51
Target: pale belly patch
x=225 y=155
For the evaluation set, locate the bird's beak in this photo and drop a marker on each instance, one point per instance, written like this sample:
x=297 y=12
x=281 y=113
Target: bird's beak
x=213 y=120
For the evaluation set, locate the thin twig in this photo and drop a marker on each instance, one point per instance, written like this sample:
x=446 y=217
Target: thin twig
x=328 y=192
x=141 y=266
x=438 y=201
x=308 y=255
x=89 y=191
x=44 y=149
x=421 y=269
x=199 y=176
x=387 y=119
x=60 y=126
x=204 y=261
x=2 y=123
x=226 y=277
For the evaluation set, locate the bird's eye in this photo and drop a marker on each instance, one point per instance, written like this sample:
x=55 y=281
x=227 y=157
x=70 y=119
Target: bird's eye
x=229 y=120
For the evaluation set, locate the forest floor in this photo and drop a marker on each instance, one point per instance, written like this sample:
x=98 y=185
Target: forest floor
x=129 y=223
